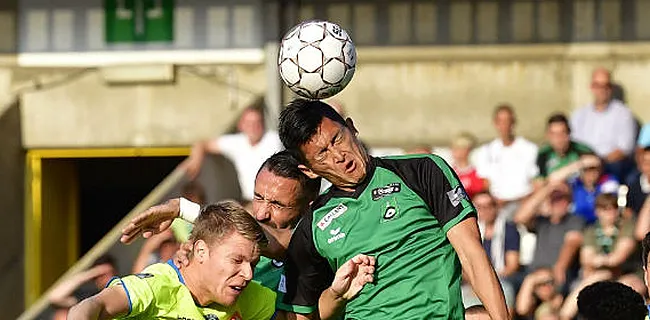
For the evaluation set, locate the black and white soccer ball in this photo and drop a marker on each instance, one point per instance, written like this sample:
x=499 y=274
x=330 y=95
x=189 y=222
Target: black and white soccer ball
x=317 y=59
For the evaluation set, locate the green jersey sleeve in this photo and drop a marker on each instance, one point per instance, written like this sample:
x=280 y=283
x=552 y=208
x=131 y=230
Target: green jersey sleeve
x=138 y=291
x=437 y=184
x=257 y=302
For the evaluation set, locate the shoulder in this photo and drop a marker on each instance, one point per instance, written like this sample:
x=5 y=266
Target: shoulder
x=411 y=161
x=229 y=139
x=574 y=220
x=580 y=147
x=526 y=144
x=255 y=295
x=544 y=150
x=257 y=302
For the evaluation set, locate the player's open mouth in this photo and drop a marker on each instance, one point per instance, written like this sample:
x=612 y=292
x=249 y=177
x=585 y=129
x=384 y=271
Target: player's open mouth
x=237 y=289
x=350 y=166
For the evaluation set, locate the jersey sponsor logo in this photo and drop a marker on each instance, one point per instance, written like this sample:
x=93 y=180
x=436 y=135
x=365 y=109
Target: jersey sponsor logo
x=282 y=285
x=144 y=275
x=330 y=216
x=388 y=189
x=277 y=263
x=390 y=213
x=336 y=235
x=456 y=195
x=210 y=316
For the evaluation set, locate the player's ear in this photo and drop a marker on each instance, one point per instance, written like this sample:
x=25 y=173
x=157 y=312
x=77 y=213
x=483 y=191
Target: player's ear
x=307 y=171
x=201 y=251
x=350 y=124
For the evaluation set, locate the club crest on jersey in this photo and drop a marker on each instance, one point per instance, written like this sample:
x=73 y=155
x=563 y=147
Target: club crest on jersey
x=210 y=317
x=388 y=189
x=330 y=216
x=456 y=195
x=144 y=275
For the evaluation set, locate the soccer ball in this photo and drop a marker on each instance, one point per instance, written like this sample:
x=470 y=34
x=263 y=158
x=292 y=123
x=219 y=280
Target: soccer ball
x=317 y=59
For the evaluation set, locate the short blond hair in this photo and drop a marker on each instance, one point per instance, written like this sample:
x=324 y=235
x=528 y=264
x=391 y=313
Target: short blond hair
x=222 y=218
x=464 y=140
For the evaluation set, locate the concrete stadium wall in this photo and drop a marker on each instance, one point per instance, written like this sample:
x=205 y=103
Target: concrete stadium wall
x=86 y=112
x=398 y=97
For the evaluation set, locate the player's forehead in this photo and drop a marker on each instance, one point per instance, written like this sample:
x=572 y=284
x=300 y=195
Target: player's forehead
x=326 y=131
x=234 y=244
x=272 y=186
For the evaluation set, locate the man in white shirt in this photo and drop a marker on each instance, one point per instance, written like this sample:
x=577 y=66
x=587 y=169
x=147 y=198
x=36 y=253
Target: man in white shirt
x=507 y=162
x=247 y=149
x=607 y=126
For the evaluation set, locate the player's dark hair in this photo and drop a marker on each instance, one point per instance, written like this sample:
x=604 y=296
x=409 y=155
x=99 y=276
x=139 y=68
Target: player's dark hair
x=646 y=149
x=285 y=165
x=300 y=120
x=612 y=301
x=476 y=310
x=507 y=108
x=559 y=118
x=645 y=244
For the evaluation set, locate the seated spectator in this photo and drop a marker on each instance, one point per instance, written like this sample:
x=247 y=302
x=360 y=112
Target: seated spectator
x=608 y=244
x=538 y=297
x=607 y=300
x=80 y=286
x=246 y=149
x=560 y=150
x=640 y=184
x=461 y=147
x=643 y=141
x=501 y=243
x=587 y=181
x=559 y=233
x=607 y=126
x=158 y=248
x=507 y=162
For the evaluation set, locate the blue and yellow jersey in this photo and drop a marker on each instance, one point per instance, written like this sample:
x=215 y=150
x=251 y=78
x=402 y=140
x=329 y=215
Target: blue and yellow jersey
x=160 y=292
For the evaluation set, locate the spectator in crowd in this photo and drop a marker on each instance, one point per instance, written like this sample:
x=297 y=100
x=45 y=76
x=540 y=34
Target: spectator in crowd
x=608 y=245
x=158 y=248
x=607 y=126
x=80 y=286
x=247 y=149
x=419 y=149
x=607 y=300
x=643 y=222
x=645 y=251
x=587 y=181
x=538 y=297
x=559 y=233
x=507 y=162
x=643 y=140
x=461 y=147
x=501 y=243
x=560 y=150
x=639 y=185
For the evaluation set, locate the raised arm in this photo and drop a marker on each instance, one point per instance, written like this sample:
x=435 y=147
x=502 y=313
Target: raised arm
x=194 y=162
x=110 y=303
x=643 y=222
x=466 y=240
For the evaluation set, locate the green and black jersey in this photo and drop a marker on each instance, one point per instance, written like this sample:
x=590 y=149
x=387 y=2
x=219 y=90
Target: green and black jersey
x=400 y=214
x=548 y=160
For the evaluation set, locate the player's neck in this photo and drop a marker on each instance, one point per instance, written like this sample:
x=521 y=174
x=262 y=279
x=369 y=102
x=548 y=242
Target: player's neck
x=508 y=139
x=192 y=279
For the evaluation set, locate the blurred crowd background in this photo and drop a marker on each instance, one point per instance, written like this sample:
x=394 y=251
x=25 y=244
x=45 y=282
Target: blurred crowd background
x=539 y=106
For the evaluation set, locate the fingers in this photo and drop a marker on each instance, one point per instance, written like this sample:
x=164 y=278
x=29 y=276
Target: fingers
x=363 y=259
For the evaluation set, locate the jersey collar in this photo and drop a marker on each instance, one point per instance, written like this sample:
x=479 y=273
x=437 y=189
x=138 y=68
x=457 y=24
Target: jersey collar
x=178 y=272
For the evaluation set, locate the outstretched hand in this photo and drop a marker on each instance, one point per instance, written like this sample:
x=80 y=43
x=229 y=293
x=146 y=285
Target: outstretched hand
x=152 y=221
x=352 y=276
